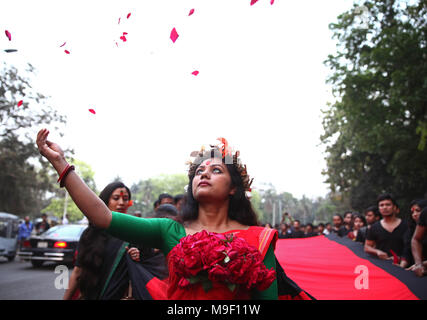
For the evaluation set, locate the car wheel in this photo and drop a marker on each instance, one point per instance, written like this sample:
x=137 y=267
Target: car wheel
x=11 y=258
x=36 y=263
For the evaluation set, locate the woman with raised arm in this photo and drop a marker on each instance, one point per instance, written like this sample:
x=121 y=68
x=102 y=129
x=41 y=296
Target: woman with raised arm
x=216 y=251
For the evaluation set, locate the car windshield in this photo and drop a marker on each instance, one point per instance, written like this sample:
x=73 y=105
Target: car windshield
x=64 y=231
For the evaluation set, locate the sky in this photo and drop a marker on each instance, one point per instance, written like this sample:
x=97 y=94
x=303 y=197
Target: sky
x=261 y=82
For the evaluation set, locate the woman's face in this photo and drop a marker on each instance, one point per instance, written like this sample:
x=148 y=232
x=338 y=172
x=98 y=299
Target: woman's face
x=119 y=200
x=212 y=181
x=415 y=212
x=358 y=223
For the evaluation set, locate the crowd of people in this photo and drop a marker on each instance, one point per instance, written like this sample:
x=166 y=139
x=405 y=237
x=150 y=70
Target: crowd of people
x=379 y=229
x=114 y=247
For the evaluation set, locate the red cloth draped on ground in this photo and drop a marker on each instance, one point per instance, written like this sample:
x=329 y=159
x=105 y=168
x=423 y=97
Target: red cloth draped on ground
x=259 y=237
x=328 y=271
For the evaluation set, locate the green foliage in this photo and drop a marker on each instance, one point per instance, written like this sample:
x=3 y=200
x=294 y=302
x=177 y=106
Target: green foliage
x=60 y=200
x=146 y=192
x=375 y=132
x=25 y=178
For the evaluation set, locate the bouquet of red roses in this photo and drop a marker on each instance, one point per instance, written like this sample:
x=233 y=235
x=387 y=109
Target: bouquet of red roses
x=207 y=257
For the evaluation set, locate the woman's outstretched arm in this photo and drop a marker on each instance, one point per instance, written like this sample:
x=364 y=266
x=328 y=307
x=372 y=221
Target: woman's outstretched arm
x=85 y=199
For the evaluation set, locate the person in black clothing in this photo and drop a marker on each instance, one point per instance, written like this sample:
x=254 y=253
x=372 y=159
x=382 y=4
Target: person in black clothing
x=43 y=225
x=359 y=222
x=283 y=233
x=387 y=234
x=420 y=234
x=337 y=222
x=105 y=265
x=372 y=215
x=296 y=231
x=309 y=232
x=347 y=224
x=416 y=207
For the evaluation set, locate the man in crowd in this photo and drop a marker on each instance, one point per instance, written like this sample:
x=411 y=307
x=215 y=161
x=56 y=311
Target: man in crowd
x=24 y=231
x=420 y=266
x=296 y=230
x=385 y=237
x=43 y=225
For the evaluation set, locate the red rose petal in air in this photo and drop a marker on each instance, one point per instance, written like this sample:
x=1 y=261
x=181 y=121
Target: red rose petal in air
x=123 y=38
x=195 y=73
x=67 y=52
x=119 y=21
x=128 y=16
x=174 y=35
x=8 y=35
x=62 y=45
x=271 y=2
x=191 y=12
x=92 y=111
x=253 y=2
x=20 y=103
x=125 y=33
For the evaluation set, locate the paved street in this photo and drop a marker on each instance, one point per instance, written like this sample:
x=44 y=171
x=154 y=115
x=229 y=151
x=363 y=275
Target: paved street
x=20 y=281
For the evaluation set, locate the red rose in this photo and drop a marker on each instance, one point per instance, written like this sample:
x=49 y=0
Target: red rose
x=183 y=283
x=193 y=263
x=218 y=273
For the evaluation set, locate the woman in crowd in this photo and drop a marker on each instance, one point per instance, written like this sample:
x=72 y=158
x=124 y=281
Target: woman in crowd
x=216 y=208
x=102 y=267
x=416 y=207
x=359 y=222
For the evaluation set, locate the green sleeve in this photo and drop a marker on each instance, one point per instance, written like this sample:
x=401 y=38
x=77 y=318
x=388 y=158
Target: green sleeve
x=162 y=233
x=271 y=293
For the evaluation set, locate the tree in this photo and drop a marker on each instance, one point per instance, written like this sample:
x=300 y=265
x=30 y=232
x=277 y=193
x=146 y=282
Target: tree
x=375 y=133
x=146 y=192
x=25 y=178
x=57 y=203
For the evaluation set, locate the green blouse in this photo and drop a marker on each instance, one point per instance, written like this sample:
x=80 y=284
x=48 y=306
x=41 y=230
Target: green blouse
x=165 y=234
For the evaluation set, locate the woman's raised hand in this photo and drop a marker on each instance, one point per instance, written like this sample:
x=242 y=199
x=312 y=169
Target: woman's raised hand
x=51 y=151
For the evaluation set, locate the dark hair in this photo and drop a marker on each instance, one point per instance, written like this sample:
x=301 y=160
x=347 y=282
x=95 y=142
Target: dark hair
x=92 y=245
x=347 y=212
x=164 y=196
x=321 y=224
x=361 y=217
x=156 y=203
x=166 y=210
x=387 y=196
x=339 y=216
x=422 y=203
x=374 y=209
x=239 y=208
x=178 y=197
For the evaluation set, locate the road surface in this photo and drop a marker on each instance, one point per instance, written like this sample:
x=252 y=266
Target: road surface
x=20 y=281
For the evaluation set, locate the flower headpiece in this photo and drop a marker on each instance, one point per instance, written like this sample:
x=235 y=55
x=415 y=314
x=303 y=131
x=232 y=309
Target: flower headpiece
x=224 y=152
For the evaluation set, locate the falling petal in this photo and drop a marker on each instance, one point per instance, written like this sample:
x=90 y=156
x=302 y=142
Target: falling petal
x=8 y=35
x=191 y=12
x=92 y=111
x=67 y=52
x=174 y=35
x=271 y=2
x=117 y=44
x=10 y=50
x=20 y=102
x=62 y=45
x=128 y=16
x=119 y=21
x=125 y=33
x=253 y=2
x=123 y=38
x=195 y=73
